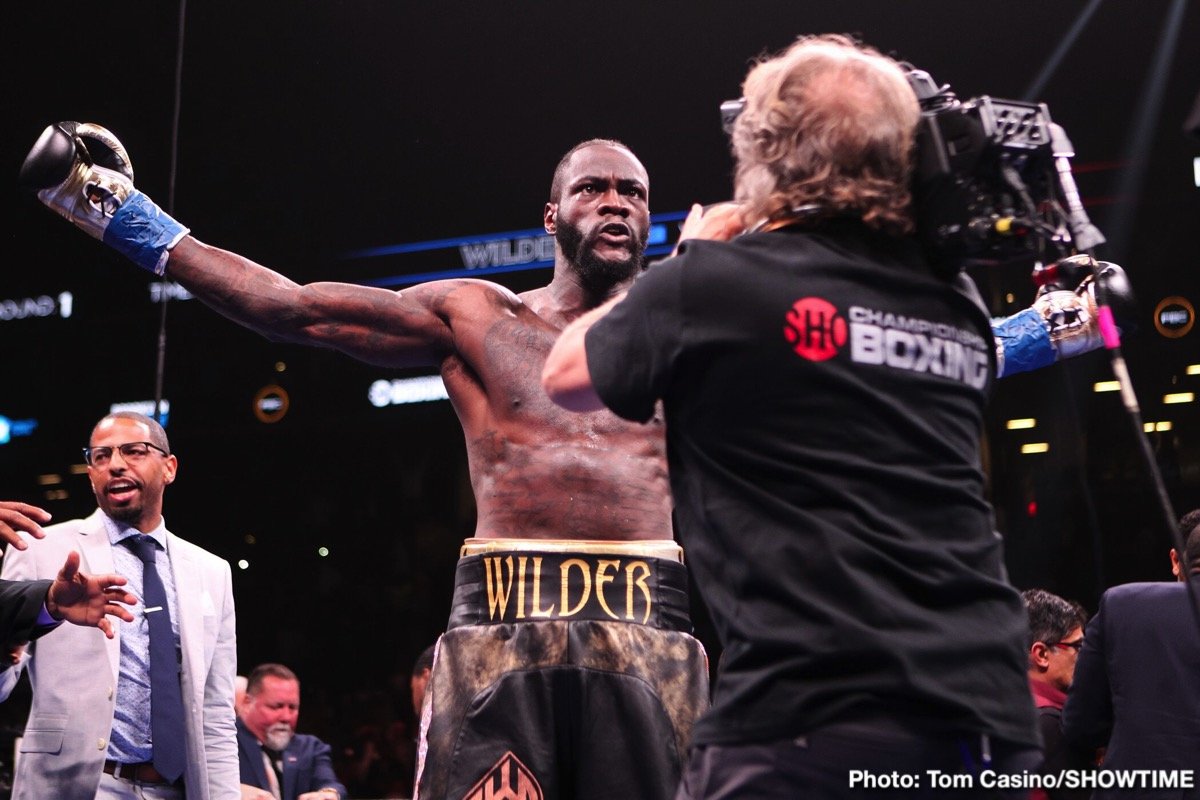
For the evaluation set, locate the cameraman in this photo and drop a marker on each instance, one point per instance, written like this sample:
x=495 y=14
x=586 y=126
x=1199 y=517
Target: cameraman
x=824 y=394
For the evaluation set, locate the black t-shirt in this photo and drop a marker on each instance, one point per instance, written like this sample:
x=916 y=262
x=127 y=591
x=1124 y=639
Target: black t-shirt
x=824 y=396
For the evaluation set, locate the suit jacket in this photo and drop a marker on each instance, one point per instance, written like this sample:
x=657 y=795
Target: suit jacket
x=20 y=604
x=1058 y=754
x=1137 y=682
x=74 y=673
x=306 y=765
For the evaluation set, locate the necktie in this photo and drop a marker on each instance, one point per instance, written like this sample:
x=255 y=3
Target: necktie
x=273 y=759
x=166 y=699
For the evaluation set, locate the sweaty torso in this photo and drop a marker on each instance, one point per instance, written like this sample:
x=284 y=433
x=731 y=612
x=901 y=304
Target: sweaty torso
x=538 y=471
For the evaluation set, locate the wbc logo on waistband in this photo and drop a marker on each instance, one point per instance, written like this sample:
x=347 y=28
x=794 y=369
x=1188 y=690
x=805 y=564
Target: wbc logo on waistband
x=508 y=779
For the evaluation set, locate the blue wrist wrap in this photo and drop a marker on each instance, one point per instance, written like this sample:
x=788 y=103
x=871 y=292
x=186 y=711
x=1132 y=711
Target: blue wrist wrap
x=1024 y=342
x=143 y=232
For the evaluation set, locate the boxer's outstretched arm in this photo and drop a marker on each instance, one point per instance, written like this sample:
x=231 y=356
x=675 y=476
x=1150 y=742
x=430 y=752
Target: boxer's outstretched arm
x=82 y=172
x=395 y=329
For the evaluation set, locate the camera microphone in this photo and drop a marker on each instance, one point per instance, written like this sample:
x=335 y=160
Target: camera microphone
x=1085 y=234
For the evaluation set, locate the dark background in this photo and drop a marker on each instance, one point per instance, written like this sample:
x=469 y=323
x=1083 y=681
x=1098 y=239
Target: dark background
x=311 y=129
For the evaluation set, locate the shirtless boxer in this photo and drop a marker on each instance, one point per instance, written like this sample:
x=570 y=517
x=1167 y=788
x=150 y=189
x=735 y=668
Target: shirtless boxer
x=567 y=669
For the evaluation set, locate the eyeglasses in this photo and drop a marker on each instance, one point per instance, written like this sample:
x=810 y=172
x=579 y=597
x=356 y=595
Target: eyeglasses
x=1076 y=645
x=130 y=451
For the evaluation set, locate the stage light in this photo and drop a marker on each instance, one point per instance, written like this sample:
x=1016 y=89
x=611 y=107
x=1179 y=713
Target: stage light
x=1032 y=94
x=1141 y=136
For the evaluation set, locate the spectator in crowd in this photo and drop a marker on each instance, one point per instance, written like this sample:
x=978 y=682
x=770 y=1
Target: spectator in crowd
x=277 y=763
x=1055 y=637
x=1137 y=681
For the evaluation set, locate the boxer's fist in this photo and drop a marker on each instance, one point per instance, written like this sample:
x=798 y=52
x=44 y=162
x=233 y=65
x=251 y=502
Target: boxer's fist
x=1069 y=314
x=1070 y=320
x=1062 y=322
x=82 y=172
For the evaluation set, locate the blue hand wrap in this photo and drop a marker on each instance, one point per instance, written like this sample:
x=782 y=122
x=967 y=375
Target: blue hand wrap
x=143 y=232
x=1024 y=343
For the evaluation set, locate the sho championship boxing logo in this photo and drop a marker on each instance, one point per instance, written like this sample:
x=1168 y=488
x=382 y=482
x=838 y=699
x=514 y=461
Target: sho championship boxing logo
x=817 y=331
x=508 y=779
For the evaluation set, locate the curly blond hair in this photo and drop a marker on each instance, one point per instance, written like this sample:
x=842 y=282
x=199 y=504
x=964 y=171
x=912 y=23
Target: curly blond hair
x=829 y=122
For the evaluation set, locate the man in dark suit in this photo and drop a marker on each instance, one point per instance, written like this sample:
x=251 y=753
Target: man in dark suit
x=1137 y=680
x=276 y=762
x=29 y=609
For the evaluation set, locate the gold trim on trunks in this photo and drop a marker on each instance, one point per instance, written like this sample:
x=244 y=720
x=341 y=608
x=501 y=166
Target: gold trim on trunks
x=647 y=548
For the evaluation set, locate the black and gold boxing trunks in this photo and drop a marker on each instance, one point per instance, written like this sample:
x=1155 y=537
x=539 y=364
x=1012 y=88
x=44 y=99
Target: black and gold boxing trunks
x=567 y=671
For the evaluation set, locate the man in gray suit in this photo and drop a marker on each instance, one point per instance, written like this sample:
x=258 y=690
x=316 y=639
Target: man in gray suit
x=148 y=714
x=1137 y=682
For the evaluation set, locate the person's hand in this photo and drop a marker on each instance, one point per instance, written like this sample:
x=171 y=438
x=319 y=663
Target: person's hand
x=720 y=222
x=21 y=517
x=255 y=793
x=88 y=599
x=12 y=656
x=320 y=794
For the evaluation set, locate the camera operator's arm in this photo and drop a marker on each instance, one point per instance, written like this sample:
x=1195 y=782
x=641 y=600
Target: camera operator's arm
x=566 y=377
x=1061 y=323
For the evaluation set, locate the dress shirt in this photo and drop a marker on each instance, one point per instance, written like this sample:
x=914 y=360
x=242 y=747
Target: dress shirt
x=45 y=620
x=1046 y=695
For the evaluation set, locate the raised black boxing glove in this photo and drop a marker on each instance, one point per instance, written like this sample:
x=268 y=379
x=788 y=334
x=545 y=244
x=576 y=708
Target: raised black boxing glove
x=82 y=172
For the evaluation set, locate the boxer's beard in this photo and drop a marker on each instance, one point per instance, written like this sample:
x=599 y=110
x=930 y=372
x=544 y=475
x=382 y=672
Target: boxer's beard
x=595 y=271
x=278 y=736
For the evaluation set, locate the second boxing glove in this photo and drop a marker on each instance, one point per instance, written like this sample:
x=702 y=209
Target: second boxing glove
x=1062 y=322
